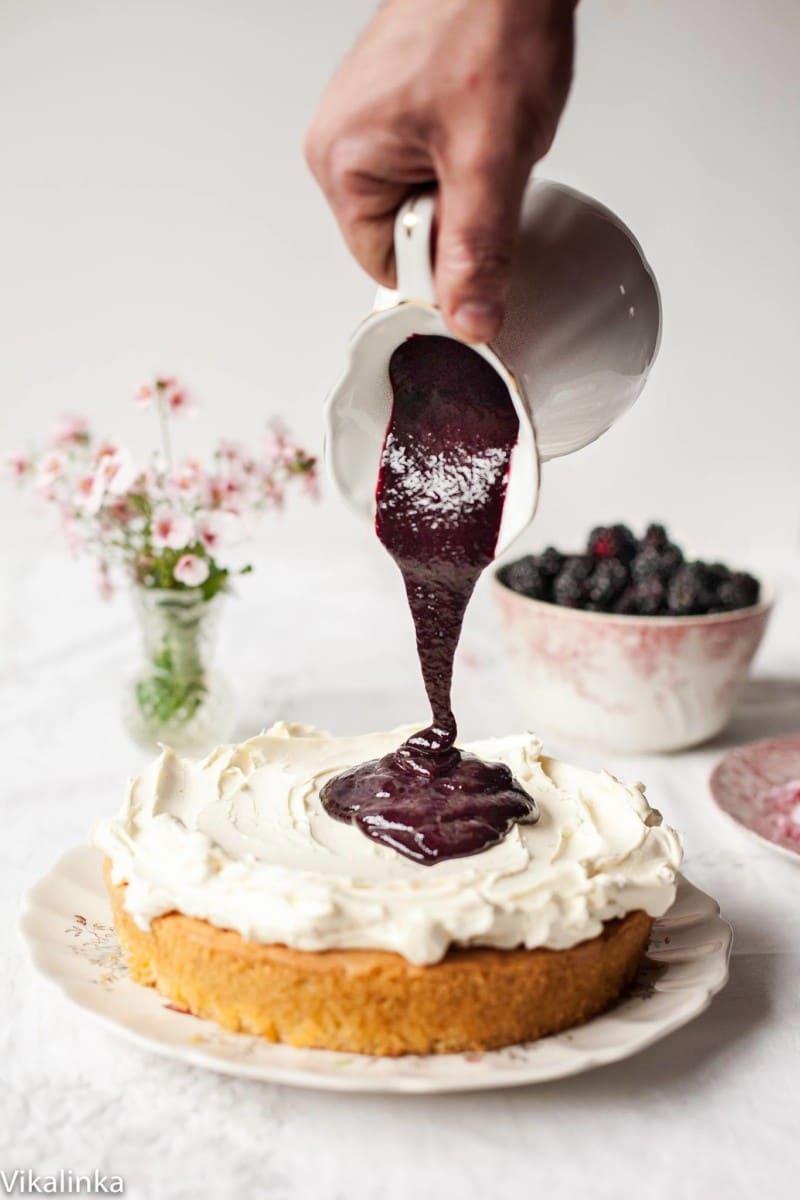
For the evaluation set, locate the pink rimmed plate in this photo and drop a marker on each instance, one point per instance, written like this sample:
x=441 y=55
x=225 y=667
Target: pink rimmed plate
x=758 y=787
x=66 y=924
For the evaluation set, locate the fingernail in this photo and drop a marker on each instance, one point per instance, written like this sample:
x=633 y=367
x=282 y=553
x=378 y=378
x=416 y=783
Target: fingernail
x=478 y=319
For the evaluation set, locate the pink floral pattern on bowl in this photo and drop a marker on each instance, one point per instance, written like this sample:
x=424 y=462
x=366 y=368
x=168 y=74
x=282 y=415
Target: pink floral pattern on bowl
x=758 y=786
x=627 y=683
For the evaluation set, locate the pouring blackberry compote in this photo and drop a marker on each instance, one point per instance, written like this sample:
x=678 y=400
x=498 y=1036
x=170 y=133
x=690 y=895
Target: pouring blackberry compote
x=440 y=494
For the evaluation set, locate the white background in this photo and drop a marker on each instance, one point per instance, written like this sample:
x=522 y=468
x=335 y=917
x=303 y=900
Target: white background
x=157 y=214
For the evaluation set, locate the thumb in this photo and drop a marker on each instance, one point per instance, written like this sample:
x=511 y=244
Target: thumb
x=478 y=219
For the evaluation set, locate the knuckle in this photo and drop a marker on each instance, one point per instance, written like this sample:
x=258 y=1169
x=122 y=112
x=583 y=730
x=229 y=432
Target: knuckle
x=333 y=155
x=345 y=157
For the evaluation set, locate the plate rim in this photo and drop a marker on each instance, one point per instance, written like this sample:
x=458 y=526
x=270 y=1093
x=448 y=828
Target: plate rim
x=583 y=1059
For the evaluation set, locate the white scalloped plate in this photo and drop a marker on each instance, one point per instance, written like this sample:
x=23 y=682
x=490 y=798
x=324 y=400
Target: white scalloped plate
x=66 y=924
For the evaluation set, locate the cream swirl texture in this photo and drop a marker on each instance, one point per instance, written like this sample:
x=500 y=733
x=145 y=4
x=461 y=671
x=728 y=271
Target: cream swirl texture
x=241 y=839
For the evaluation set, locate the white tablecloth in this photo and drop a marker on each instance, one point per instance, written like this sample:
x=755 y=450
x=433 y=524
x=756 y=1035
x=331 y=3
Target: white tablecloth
x=711 y=1111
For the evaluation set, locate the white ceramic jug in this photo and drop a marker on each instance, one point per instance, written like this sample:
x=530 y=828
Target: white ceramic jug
x=581 y=331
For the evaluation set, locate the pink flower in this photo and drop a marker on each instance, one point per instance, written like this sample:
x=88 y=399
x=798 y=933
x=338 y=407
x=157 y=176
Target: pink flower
x=223 y=490
x=272 y=491
x=83 y=490
x=187 y=476
x=310 y=485
x=168 y=391
x=143 y=396
x=51 y=467
x=18 y=465
x=122 y=510
x=195 y=513
x=171 y=529
x=278 y=445
x=177 y=399
x=215 y=491
x=231 y=452
x=179 y=402
x=70 y=430
x=106 y=448
x=118 y=470
x=216 y=528
x=115 y=473
x=191 y=570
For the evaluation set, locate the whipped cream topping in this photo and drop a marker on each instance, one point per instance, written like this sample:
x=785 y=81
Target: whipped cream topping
x=241 y=839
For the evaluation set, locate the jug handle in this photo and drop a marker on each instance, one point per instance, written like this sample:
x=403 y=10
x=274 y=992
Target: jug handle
x=413 y=227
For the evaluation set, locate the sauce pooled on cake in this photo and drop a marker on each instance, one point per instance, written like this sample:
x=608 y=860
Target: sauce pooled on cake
x=440 y=495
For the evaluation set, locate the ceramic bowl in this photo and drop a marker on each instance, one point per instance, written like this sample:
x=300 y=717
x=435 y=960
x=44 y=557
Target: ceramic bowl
x=635 y=685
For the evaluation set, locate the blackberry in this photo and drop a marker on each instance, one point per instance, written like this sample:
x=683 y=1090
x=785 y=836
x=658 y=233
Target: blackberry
x=740 y=590
x=656 y=537
x=551 y=561
x=608 y=580
x=626 y=604
x=691 y=591
x=619 y=574
x=527 y=577
x=649 y=597
x=671 y=558
x=647 y=565
x=652 y=563
x=612 y=541
x=718 y=572
x=570 y=585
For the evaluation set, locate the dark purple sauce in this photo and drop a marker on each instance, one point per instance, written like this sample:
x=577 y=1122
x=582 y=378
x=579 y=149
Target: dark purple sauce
x=440 y=495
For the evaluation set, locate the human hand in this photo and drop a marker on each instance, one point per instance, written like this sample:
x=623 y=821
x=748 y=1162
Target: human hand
x=466 y=94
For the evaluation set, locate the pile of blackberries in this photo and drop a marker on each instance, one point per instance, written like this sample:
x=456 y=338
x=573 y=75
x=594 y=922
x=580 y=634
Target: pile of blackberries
x=620 y=573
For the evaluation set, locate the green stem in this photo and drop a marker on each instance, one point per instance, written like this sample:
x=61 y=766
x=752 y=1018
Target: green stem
x=166 y=442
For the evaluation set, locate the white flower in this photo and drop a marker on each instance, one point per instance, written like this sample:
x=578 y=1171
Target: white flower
x=107 y=447
x=186 y=478
x=119 y=470
x=51 y=467
x=115 y=473
x=218 y=528
x=171 y=529
x=144 y=396
x=84 y=490
x=191 y=570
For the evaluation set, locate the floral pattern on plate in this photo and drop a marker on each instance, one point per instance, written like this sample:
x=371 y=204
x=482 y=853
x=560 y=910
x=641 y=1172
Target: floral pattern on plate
x=758 y=786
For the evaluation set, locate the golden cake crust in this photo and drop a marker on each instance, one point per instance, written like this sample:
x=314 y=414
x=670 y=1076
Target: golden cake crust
x=375 y=1001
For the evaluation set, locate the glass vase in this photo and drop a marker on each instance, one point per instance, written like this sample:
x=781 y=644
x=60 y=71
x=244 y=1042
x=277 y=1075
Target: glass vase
x=177 y=699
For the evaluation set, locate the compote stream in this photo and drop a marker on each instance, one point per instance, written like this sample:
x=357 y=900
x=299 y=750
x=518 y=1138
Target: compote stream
x=440 y=495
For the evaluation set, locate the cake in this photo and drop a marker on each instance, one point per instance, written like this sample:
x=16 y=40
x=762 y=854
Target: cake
x=239 y=898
